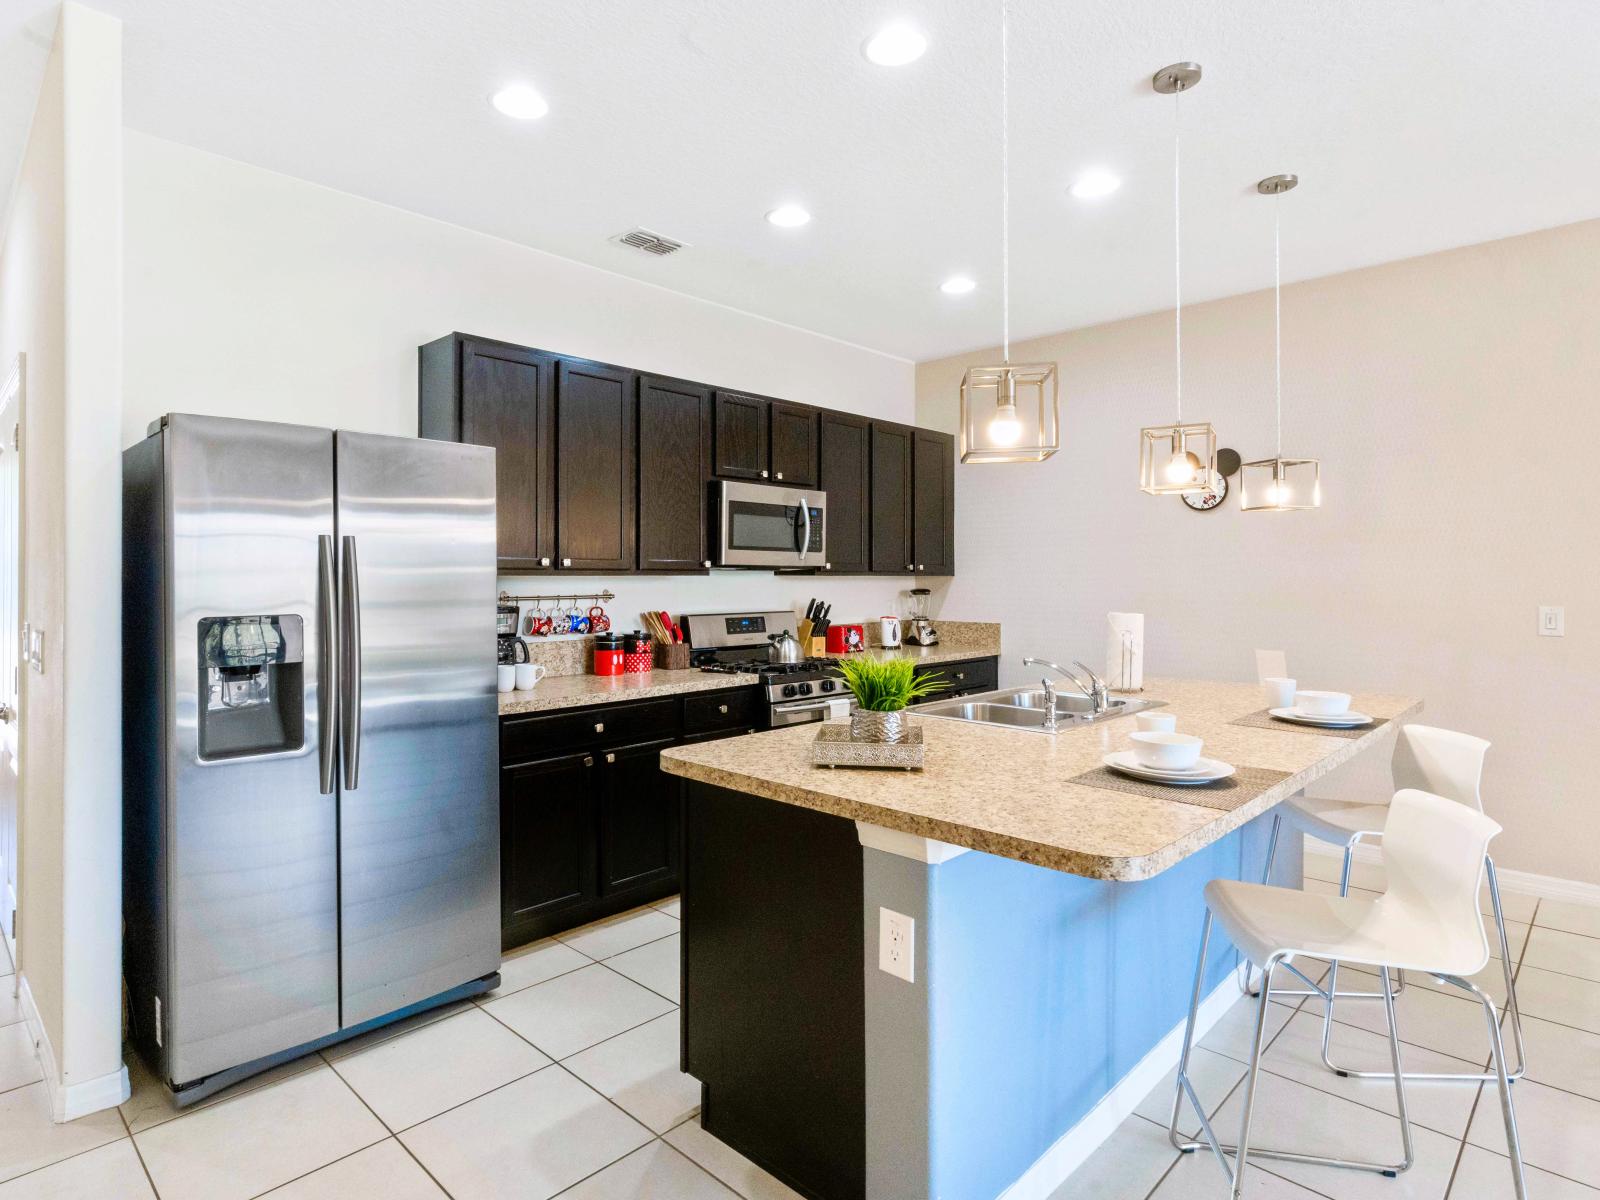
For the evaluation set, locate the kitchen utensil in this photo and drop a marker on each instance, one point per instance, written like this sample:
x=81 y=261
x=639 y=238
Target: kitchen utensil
x=785 y=648
x=889 y=632
x=919 y=630
x=1165 y=751
x=598 y=621
x=505 y=677
x=1279 y=693
x=528 y=675
x=1156 y=722
x=1322 y=704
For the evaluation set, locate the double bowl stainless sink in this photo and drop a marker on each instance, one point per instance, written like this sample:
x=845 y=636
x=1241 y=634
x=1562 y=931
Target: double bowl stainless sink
x=1026 y=708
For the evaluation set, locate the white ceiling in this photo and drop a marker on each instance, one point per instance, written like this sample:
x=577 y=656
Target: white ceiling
x=1415 y=125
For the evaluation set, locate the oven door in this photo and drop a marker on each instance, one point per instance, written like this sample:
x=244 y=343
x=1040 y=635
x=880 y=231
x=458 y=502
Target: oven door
x=760 y=525
x=800 y=712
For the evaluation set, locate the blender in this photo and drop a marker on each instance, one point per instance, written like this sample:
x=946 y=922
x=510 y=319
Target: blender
x=919 y=625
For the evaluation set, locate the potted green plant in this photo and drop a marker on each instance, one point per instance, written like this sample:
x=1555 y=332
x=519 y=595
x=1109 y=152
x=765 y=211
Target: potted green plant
x=882 y=689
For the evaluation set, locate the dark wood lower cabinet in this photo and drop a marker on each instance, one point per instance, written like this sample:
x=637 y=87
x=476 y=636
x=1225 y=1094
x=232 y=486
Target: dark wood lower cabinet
x=638 y=819
x=548 y=866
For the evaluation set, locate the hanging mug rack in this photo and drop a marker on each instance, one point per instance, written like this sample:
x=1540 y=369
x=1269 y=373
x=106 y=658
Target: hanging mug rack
x=554 y=619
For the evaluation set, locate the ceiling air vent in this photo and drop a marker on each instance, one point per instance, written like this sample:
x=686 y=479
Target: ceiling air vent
x=650 y=243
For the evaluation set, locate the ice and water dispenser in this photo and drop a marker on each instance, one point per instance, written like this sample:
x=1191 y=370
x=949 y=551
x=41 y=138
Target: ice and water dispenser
x=252 y=694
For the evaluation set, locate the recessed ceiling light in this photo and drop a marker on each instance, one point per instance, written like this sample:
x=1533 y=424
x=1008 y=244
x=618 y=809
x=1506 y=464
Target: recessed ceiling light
x=521 y=101
x=957 y=285
x=895 y=45
x=1094 y=184
x=789 y=216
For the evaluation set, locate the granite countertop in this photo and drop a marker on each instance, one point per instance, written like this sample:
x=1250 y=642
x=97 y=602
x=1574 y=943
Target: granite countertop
x=932 y=654
x=1006 y=792
x=579 y=691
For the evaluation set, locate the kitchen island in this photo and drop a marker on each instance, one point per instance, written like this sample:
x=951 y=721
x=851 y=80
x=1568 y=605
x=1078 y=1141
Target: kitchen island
x=1056 y=922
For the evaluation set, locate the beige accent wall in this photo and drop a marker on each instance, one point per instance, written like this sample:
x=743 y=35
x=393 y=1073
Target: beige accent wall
x=1453 y=400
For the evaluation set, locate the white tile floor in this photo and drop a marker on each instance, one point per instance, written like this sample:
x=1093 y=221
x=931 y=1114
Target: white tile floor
x=564 y=1082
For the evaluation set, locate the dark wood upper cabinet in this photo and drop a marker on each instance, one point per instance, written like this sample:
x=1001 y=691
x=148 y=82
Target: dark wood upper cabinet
x=674 y=467
x=845 y=474
x=494 y=394
x=740 y=443
x=794 y=444
x=933 y=502
x=891 y=499
x=596 y=483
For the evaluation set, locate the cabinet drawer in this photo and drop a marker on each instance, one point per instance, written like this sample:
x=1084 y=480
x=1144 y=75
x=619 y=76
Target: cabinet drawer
x=967 y=675
x=719 y=710
x=522 y=738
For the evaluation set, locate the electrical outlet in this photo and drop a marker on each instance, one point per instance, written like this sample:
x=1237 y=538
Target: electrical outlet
x=897 y=944
x=1552 y=621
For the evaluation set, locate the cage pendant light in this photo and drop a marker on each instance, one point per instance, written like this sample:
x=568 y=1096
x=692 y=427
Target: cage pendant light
x=1279 y=484
x=1010 y=412
x=1180 y=458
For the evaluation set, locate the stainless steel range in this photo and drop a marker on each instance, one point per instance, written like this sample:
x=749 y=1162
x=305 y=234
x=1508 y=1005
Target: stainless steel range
x=741 y=643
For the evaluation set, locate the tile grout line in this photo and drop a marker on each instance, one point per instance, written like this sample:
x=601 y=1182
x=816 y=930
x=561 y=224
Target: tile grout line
x=69 y=1157
x=138 y=1153
x=393 y=1136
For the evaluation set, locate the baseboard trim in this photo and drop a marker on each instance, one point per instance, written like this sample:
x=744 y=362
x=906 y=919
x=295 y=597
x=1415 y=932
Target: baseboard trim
x=1073 y=1148
x=1524 y=883
x=68 y=1102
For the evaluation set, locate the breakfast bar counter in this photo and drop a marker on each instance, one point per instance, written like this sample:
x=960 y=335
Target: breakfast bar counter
x=1046 y=920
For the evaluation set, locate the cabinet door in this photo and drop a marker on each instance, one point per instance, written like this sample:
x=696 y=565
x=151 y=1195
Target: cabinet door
x=638 y=818
x=595 y=472
x=933 y=502
x=741 y=436
x=507 y=401
x=845 y=474
x=547 y=844
x=794 y=444
x=891 y=499
x=674 y=467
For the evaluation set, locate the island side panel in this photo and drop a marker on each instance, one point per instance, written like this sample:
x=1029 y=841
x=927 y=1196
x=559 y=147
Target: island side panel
x=773 y=1007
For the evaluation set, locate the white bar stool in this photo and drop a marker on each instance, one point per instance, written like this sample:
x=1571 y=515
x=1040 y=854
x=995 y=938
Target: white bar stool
x=1427 y=920
x=1439 y=761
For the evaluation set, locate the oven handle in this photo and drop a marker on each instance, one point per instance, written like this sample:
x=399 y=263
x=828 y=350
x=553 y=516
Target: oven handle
x=805 y=533
x=805 y=705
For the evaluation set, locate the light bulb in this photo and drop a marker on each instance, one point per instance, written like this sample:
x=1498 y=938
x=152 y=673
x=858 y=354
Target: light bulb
x=1004 y=427
x=1278 y=494
x=1182 y=467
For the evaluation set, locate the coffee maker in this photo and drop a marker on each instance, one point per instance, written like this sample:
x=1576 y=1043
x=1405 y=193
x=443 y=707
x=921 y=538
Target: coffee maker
x=919 y=630
x=509 y=647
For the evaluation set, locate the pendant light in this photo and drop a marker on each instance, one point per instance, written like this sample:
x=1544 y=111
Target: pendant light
x=1010 y=412
x=1177 y=459
x=1279 y=484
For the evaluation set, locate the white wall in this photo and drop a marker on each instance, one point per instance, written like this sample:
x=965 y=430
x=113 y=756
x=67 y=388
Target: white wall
x=254 y=294
x=60 y=304
x=1451 y=399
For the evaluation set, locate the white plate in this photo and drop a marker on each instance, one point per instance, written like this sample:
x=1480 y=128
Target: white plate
x=1344 y=720
x=1207 y=770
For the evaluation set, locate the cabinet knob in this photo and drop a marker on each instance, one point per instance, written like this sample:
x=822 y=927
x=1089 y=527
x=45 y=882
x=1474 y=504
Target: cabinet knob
x=921 y=567
x=588 y=761
x=722 y=708
x=763 y=474
x=909 y=567
x=545 y=561
x=827 y=566
x=611 y=758
x=961 y=674
x=566 y=562
x=599 y=726
x=780 y=475
x=706 y=564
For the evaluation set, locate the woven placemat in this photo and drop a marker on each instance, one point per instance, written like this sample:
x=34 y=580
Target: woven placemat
x=1243 y=786
x=1265 y=720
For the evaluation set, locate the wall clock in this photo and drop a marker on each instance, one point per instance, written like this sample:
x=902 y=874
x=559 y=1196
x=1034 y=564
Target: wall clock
x=1227 y=464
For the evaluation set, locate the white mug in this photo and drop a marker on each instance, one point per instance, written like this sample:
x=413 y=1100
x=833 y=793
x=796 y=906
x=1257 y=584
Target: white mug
x=1279 y=693
x=505 y=677
x=528 y=674
x=1156 y=722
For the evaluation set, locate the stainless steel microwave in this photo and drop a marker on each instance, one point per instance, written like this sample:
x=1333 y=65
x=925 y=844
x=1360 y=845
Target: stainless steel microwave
x=763 y=525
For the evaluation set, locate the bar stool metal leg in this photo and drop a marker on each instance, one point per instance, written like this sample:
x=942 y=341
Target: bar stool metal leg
x=1502 y=1080
x=1512 y=1010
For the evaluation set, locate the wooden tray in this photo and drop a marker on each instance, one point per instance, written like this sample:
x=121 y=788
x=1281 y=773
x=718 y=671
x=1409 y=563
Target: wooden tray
x=835 y=748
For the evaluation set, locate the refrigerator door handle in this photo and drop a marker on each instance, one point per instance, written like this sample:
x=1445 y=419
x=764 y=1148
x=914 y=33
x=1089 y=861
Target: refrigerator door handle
x=327 y=666
x=350 y=667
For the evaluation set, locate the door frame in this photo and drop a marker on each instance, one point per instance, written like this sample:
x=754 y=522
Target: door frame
x=12 y=397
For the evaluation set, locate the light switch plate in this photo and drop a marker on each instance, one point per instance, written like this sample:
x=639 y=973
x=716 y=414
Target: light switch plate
x=1552 y=621
x=897 y=944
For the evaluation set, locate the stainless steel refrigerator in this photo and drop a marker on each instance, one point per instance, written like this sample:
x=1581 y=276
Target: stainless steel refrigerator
x=311 y=816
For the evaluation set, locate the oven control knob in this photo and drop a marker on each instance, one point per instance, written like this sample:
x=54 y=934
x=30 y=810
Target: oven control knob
x=805 y=689
x=827 y=685
x=789 y=689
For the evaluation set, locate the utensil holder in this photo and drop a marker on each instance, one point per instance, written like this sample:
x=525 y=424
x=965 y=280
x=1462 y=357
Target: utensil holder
x=672 y=658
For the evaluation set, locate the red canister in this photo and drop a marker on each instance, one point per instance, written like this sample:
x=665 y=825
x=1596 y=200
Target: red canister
x=636 y=655
x=608 y=655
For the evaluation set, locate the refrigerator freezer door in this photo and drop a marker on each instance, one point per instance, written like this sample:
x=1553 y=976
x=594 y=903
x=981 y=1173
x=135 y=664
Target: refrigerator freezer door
x=252 y=873
x=419 y=810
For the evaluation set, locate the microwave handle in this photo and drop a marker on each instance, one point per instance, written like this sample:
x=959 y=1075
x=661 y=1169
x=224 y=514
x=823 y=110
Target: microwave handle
x=805 y=533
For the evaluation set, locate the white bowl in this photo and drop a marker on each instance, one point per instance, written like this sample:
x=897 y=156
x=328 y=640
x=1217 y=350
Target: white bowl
x=1156 y=722
x=1168 y=751
x=1322 y=704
